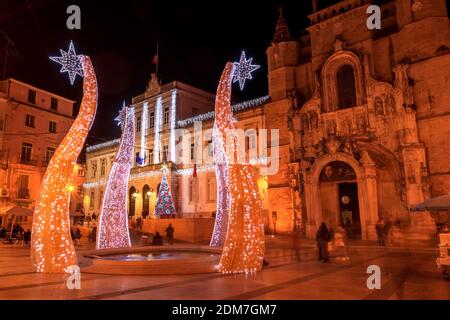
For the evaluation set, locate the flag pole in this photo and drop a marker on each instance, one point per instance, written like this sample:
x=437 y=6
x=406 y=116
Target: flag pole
x=157 y=58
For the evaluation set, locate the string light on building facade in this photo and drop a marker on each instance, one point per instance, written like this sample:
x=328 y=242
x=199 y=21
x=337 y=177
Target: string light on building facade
x=173 y=114
x=236 y=108
x=144 y=124
x=113 y=219
x=243 y=70
x=70 y=62
x=243 y=251
x=52 y=250
x=158 y=129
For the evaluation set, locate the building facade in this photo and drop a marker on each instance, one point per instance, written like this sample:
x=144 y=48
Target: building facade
x=363 y=117
x=33 y=122
x=165 y=115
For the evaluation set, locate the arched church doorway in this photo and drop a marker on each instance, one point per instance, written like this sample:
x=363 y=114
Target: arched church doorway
x=339 y=198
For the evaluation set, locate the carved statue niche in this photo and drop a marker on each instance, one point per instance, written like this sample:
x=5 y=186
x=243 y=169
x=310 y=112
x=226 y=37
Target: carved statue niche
x=305 y=122
x=294 y=130
x=390 y=104
x=402 y=86
x=316 y=94
x=313 y=120
x=361 y=123
x=379 y=110
x=331 y=127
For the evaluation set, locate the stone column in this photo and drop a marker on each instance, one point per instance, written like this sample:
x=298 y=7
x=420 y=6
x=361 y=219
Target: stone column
x=369 y=197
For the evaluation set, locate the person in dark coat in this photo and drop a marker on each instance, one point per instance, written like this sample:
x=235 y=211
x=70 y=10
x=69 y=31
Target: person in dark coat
x=169 y=234
x=323 y=236
x=27 y=237
x=157 y=239
x=380 y=231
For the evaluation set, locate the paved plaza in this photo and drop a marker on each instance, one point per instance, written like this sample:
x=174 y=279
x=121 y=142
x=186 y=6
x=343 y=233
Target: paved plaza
x=406 y=274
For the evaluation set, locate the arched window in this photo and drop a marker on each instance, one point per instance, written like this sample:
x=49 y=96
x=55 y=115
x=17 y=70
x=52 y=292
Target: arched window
x=346 y=87
x=132 y=202
x=146 y=200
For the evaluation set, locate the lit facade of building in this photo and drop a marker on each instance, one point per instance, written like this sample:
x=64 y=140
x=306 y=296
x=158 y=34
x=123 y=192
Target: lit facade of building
x=362 y=117
x=159 y=113
x=32 y=124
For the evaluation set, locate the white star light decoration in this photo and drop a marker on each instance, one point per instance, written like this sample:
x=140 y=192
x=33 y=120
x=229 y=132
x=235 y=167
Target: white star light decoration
x=120 y=119
x=70 y=62
x=243 y=70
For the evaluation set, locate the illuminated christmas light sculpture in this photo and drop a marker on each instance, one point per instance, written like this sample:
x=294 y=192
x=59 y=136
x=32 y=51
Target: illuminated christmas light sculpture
x=243 y=251
x=113 y=229
x=164 y=204
x=70 y=62
x=223 y=193
x=52 y=250
x=243 y=70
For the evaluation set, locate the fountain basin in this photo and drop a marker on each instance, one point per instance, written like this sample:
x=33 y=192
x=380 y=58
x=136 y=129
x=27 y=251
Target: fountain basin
x=153 y=260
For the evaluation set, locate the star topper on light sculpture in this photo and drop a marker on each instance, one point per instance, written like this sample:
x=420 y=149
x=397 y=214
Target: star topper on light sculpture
x=243 y=70
x=70 y=62
x=120 y=119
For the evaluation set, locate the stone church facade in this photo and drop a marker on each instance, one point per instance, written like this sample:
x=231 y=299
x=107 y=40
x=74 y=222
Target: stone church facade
x=364 y=118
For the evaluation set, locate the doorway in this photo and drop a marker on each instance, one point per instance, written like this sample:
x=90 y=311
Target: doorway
x=349 y=209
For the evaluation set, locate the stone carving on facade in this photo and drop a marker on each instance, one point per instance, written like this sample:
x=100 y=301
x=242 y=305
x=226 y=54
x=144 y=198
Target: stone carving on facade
x=313 y=120
x=361 y=123
x=334 y=144
x=403 y=89
x=390 y=104
x=153 y=87
x=331 y=127
x=379 y=110
x=294 y=126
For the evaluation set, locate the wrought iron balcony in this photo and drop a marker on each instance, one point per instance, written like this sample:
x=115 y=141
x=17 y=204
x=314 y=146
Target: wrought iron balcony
x=28 y=161
x=23 y=194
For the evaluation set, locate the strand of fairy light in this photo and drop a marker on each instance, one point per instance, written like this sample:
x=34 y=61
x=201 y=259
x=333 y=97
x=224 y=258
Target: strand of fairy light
x=52 y=250
x=173 y=113
x=243 y=251
x=158 y=128
x=223 y=193
x=113 y=220
x=144 y=125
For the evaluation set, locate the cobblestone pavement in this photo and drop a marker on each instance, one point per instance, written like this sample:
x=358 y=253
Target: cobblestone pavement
x=405 y=274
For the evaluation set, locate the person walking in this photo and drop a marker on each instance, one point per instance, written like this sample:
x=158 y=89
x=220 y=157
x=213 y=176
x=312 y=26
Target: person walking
x=380 y=231
x=27 y=237
x=387 y=231
x=323 y=236
x=169 y=234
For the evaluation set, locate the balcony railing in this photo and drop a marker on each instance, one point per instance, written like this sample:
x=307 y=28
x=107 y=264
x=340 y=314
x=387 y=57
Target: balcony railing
x=23 y=194
x=28 y=161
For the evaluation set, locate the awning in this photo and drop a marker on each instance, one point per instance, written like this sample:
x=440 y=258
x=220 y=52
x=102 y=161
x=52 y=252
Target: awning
x=441 y=203
x=16 y=210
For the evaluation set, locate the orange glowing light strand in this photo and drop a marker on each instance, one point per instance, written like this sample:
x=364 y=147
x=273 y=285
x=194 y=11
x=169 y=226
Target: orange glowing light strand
x=52 y=250
x=243 y=251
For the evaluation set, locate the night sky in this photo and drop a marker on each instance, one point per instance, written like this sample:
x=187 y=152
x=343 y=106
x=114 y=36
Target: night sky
x=196 y=39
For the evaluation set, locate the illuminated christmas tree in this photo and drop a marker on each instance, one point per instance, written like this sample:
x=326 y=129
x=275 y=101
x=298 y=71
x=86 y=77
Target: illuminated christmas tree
x=164 y=203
